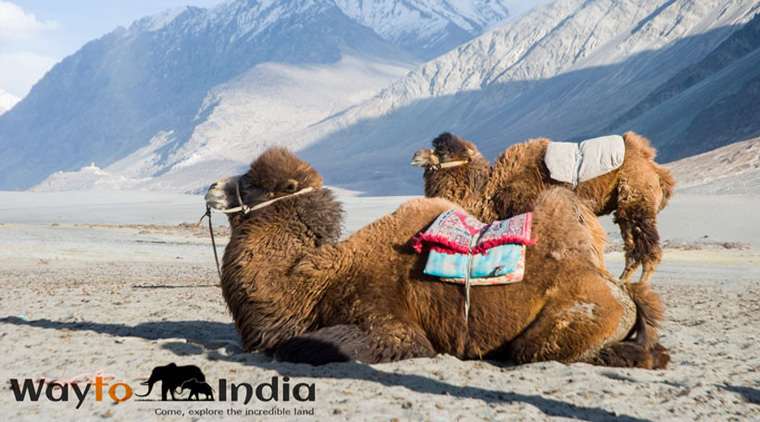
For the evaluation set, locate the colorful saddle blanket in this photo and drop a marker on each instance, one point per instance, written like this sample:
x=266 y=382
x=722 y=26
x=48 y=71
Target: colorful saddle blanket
x=500 y=265
x=575 y=163
x=458 y=242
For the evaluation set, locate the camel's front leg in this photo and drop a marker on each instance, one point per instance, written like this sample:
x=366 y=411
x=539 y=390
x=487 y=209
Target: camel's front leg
x=636 y=214
x=631 y=263
x=642 y=246
x=386 y=342
x=649 y=263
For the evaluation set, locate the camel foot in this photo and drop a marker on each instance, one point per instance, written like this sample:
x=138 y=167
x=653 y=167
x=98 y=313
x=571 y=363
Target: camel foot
x=624 y=355
x=660 y=357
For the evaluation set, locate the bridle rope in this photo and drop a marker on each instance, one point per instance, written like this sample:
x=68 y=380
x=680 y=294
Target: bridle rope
x=437 y=164
x=245 y=209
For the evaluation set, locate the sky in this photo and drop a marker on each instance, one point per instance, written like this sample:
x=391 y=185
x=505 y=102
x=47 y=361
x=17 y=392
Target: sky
x=37 y=34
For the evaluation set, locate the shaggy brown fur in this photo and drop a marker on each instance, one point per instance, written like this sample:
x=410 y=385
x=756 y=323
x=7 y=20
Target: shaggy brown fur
x=463 y=184
x=293 y=290
x=635 y=192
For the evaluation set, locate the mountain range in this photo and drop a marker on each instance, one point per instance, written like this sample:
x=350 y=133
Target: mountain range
x=195 y=78
x=180 y=99
x=567 y=71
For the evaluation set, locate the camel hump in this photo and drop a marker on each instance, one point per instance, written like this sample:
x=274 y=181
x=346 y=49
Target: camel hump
x=575 y=163
x=638 y=144
x=430 y=208
x=565 y=225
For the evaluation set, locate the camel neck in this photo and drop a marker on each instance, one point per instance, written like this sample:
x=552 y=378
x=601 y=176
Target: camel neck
x=462 y=185
x=260 y=276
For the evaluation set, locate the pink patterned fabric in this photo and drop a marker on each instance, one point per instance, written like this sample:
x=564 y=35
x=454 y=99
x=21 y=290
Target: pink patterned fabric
x=455 y=231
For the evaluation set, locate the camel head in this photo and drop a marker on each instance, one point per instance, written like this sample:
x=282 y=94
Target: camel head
x=277 y=173
x=448 y=151
x=424 y=158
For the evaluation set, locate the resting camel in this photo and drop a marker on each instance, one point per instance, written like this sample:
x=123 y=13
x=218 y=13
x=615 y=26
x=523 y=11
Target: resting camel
x=635 y=192
x=455 y=170
x=296 y=291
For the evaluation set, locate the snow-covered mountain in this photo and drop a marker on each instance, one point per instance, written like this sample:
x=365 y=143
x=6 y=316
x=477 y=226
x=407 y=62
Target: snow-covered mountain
x=249 y=74
x=567 y=70
x=428 y=28
x=212 y=86
x=7 y=101
x=119 y=93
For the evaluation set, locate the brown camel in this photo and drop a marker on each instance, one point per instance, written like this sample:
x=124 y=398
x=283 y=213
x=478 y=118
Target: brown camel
x=454 y=170
x=635 y=192
x=294 y=290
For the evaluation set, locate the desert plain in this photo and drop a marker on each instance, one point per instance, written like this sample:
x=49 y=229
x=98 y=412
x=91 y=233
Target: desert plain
x=111 y=285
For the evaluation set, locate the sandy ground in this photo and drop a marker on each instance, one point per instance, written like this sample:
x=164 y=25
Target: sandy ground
x=78 y=300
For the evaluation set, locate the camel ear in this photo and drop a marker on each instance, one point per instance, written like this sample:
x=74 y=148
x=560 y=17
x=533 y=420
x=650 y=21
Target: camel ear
x=470 y=152
x=291 y=186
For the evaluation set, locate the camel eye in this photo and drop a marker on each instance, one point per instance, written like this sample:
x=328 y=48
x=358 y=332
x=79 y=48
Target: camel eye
x=291 y=186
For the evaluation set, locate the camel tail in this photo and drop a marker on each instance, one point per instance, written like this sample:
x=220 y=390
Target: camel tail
x=649 y=314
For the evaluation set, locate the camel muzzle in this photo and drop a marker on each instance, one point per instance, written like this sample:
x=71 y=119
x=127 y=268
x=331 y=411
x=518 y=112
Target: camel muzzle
x=217 y=197
x=422 y=157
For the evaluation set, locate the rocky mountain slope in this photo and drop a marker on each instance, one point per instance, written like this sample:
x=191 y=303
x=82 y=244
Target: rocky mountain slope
x=565 y=71
x=683 y=73
x=708 y=104
x=7 y=101
x=194 y=85
x=732 y=169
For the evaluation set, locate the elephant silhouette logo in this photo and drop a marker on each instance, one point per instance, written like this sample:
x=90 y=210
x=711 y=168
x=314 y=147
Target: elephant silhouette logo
x=173 y=377
x=197 y=387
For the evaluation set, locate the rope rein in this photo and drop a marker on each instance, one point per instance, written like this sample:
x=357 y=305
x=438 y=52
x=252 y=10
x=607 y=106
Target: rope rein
x=213 y=241
x=246 y=209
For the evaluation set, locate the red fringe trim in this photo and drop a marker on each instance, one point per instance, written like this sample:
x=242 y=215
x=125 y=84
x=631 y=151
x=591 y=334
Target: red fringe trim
x=423 y=242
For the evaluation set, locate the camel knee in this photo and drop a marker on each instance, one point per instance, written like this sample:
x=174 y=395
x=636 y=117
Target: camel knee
x=320 y=347
x=646 y=239
x=641 y=239
x=652 y=259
